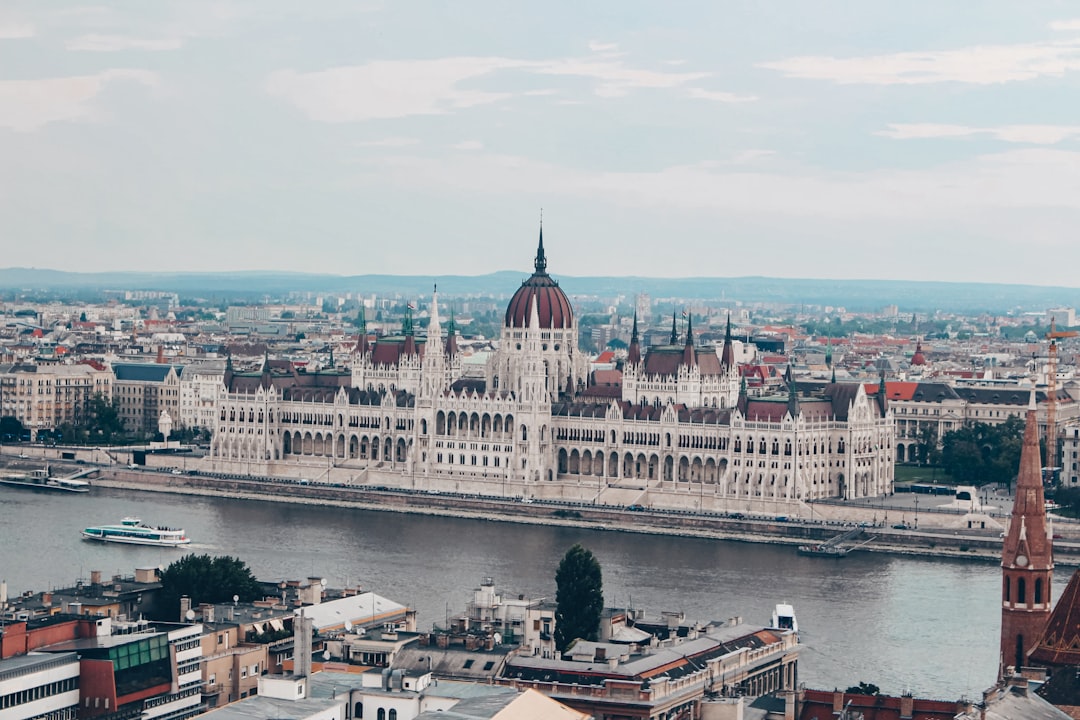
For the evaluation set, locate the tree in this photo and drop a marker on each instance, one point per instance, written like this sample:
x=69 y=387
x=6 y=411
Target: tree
x=204 y=579
x=103 y=420
x=579 y=597
x=977 y=453
x=863 y=688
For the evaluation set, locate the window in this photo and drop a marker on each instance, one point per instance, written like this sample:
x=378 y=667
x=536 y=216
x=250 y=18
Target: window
x=381 y=715
x=488 y=665
x=393 y=714
x=468 y=664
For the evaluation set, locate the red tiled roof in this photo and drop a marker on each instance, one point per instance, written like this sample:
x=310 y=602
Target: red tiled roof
x=819 y=704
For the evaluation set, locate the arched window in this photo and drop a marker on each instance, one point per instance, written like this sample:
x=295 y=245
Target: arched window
x=358 y=710
x=1038 y=590
x=1008 y=587
x=381 y=715
x=393 y=714
x=1021 y=591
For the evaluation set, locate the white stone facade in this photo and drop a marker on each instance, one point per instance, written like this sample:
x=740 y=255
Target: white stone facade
x=685 y=439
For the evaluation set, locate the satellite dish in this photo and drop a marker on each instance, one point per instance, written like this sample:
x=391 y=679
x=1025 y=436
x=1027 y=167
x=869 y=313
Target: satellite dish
x=326 y=655
x=190 y=615
x=235 y=599
x=323 y=582
x=348 y=626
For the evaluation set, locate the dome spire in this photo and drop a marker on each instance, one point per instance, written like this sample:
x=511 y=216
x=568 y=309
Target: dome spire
x=541 y=259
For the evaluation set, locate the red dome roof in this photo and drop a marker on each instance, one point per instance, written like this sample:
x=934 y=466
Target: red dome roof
x=552 y=305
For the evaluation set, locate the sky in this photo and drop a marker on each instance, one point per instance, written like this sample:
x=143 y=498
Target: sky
x=918 y=140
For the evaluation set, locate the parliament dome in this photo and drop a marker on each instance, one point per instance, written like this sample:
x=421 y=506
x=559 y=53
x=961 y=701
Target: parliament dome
x=552 y=305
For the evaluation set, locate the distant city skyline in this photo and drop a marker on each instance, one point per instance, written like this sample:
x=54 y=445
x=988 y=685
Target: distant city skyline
x=914 y=141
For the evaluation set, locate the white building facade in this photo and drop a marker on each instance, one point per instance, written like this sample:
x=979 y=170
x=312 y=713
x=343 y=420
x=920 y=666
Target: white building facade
x=684 y=434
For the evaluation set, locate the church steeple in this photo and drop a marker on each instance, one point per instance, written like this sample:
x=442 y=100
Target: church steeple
x=1027 y=559
x=674 y=330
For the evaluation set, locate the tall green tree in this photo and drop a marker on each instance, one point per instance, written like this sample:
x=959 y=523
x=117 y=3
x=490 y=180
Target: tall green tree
x=978 y=453
x=579 y=597
x=204 y=579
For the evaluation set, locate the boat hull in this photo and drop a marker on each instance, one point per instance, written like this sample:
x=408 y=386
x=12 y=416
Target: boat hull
x=136 y=540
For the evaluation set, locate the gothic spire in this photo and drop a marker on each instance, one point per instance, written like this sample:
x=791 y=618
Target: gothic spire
x=689 y=356
x=633 y=354
x=727 y=355
x=674 y=330
x=792 y=397
x=541 y=259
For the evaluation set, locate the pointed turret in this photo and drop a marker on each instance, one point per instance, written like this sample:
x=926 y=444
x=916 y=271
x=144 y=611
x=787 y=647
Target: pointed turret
x=633 y=353
x=1027 y=559
x=882 y=395
x=227 y=378
x=674 y=330
x=689 y=357
x=744 y=396
x=828 y=354
x=362 y=346
x=451 y=336
x=409 y=347
x=727 y=355
x=792 y=397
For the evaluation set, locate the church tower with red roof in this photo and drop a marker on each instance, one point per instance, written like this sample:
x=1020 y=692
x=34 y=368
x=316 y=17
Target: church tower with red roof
x=1027 y=560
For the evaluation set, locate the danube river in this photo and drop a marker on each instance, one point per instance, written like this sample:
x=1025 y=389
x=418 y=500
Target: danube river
x=924 y=624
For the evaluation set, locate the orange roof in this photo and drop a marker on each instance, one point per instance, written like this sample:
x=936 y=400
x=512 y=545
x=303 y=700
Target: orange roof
x=894 y=390
x=605 y=357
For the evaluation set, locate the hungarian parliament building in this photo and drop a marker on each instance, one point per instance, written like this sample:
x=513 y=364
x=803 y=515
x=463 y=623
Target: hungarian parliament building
x=681 y=433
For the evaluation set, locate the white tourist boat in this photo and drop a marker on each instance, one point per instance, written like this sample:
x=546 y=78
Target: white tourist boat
x=133 y=531
x=783 y=617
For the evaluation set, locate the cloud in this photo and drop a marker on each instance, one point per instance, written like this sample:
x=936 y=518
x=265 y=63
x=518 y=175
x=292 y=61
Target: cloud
x=26 y=105
x=118 y=43
x=725 y=97
x=602 y=47
x=387 y=88
x=1065 y=25
x=390 y=142
x=1031 y=134
x=613 y=77
x=469 y=145
x=979 y=65
x=400 y=88
x=963 y=192
x=15 y=29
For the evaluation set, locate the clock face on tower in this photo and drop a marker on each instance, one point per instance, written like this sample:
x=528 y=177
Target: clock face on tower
x=1022 y=560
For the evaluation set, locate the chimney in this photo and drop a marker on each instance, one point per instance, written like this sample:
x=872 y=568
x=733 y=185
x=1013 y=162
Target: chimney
x=185 y=606
x=3 y=593
x=206 y=610
x=302 y=646
x=837 y=701
x=46 y=599
x=907 y=706
x=95 y=577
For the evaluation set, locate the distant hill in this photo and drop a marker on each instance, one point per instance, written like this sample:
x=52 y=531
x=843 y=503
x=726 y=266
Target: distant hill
x=855 y=295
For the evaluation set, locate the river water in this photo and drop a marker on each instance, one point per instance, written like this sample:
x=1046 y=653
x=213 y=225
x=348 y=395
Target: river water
x=902 y=623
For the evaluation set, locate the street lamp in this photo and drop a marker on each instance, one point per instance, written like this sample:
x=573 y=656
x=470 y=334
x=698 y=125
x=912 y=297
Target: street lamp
x=916 y=513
